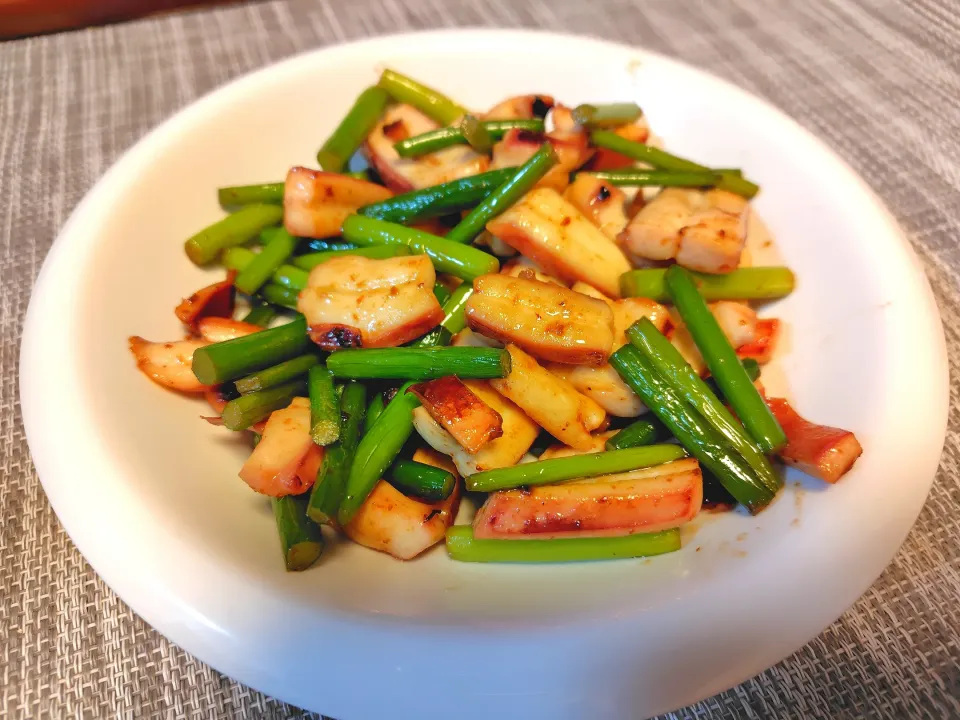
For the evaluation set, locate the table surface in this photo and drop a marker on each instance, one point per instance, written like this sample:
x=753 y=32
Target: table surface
x=878 y=81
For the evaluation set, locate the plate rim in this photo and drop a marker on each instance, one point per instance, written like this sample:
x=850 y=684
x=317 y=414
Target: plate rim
x=30 y=384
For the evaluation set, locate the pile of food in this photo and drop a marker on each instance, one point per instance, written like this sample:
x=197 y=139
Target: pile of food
x=534 y=307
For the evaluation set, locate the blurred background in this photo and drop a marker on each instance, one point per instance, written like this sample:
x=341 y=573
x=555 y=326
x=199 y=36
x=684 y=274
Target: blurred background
x=33 y=17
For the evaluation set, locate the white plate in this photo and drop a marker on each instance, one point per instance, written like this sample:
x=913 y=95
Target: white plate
x=149 y=492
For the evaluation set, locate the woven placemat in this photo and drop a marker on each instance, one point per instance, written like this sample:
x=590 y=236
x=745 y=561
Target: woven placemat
x=878 y=81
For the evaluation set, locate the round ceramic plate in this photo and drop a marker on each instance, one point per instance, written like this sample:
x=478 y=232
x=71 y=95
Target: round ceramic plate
x=150 y=493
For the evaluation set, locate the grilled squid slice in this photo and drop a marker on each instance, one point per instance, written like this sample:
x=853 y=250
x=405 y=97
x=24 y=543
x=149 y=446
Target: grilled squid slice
x=353 y=301
x=764 y=343
x=404 y=174
x=467 y=418
x=522 y=267
x=168 y=363
x=272 y=468
x=546 y=320
x=555 y=235
x=818 y=450
x=553 y=403
x=603 y=203
x=315 y=203
x=519 y=433
x=648 y=500
x=603 y=384
x=214 y=300
x=219 y=329
x=521 y=107
x=702 y=230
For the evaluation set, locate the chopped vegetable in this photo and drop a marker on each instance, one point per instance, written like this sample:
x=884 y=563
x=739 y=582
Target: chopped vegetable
x=463 y=546
x=504 y=196
x=641 y=432
x=324 y=406
x=695 y=434
x=300 y=539
x=427 y=482
x=350 y=133
x=238 y=195
x=574 y=467
x=327 y=493
x=458 y=260
x=263 y=265
x=426 y=363
x=236 y=229
x=260 y=314
x=749 y=283
x=662 y=160
x=656 y=178
x=447 y=136
x=247 y=410
x=437 y=200
x=277 y=375
x=377 y=451
x=609 y=115
x=454 y=319
x=225 y=361
x=429 y=101
x=722 y=360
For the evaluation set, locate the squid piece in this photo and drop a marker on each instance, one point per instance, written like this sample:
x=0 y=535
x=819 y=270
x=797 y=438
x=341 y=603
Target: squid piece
x=555 y=235
x=517 y=146
x=522 y=267
x=216 y=300
x=353 y=301
x=818 y=450
x=521 y=107
x=169 y=363
x=310 y=466
x=647 y=500
x=764 y=343
x=273 y=466
x=402 y=175
x=600 y=201
x=552 y=402
x=402 y=526
x=603 y=384
x=737 y=320
x=519 y=434
x=468 y=338
x=546 y=320
x=315 y=203
x=218 y=329
x=703 y=230
x=470 y=421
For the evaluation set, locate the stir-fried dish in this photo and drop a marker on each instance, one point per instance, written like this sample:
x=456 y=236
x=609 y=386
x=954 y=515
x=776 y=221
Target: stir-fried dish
x=534 y=306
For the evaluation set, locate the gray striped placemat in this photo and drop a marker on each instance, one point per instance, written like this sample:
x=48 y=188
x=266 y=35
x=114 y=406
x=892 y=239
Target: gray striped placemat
x=878 y=81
